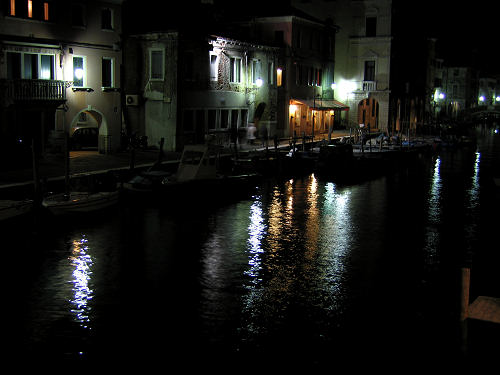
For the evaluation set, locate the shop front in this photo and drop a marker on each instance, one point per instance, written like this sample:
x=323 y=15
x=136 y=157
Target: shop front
x=313 y=118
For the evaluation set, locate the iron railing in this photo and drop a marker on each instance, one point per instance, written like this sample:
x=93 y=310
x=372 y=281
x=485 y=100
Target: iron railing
x=34 y=89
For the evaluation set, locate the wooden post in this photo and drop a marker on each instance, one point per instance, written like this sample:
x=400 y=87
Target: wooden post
x=160 y=154
x=464 y=303
x=132 y=152
x=464 y=308
x=66 y=165
x=36 y=177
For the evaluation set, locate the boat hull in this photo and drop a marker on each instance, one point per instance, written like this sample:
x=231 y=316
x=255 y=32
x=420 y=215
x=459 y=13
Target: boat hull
x=11 y=208
x=80 y=202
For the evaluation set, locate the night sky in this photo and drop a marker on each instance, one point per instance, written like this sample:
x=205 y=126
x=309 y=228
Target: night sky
x=466 y=32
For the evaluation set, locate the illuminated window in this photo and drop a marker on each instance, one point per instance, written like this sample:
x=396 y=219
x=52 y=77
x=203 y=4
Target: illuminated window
x=45 y=11
x=214 y=67
x=46 y=66
x=30 y=9
x=279 y=77
x=235 y=70
x=255 y=71
x=78 y=71
x=107 y=72
x=30 y=66
x=156 y=64
x=12 y=7
x=270 y=73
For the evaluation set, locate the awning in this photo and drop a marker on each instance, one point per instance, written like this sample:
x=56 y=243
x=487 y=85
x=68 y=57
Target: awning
x=322 y=104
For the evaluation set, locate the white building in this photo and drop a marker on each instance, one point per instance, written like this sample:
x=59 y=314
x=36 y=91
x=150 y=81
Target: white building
x=60 y=69
x=362 y=56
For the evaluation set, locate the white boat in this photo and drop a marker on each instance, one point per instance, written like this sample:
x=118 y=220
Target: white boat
x=14 y=208
x=197 y=172
x=80 y=202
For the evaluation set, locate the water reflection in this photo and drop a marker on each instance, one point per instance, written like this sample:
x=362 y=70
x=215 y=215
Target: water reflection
x=297 y=247
x=432 y=236
x=256 y=231
x=82 y=293
x=472 y=205
x=336 y=239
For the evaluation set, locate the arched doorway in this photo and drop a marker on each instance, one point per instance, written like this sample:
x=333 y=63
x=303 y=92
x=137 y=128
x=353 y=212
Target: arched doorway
x=90 y=121
x=368 y=111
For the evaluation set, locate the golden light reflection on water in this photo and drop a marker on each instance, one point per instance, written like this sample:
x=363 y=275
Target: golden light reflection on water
x=82 y=293
x=290 y=255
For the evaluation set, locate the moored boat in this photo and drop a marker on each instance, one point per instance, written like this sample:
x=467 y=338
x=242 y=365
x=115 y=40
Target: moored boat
x=80 y=202
x=198 y=174
x=14 y=208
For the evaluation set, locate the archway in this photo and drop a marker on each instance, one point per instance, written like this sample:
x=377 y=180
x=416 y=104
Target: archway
x=368 y=111
x=91 y=118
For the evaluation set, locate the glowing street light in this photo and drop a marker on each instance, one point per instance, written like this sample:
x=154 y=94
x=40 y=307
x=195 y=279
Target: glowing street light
x=259 y=82
x=79 y=73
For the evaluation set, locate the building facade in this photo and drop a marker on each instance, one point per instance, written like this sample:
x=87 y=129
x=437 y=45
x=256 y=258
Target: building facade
x=362 y=56
x=460 y=92
x=59 y=70
x=306 y=101
x=191 y=89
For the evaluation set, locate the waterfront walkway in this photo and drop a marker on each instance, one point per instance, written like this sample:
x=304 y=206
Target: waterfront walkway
x=52 y=166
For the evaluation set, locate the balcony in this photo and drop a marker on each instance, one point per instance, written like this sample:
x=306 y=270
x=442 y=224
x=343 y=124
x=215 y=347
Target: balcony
x=369 y=85
x=14 y=90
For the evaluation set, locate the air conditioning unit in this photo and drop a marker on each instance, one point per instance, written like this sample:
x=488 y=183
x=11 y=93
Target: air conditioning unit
x=132 y=99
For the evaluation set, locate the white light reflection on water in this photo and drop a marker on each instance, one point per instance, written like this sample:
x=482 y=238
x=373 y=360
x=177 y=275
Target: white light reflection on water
x=335 y=238
x=470 y=227
x=82 y=294
x=256 y=232
x=473 y=193
x=432 y=236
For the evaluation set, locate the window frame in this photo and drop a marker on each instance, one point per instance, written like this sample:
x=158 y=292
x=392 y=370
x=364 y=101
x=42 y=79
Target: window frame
x=37 y=59
x=83 y=16
x=235 y=73
x=256 y=70
x=111 y=19
x=151 y=51
x=214 y=67
x=111 y=73
x=84 y=65
x=367 y=69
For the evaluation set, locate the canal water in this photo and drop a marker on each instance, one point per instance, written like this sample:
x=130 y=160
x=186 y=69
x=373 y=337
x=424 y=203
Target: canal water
x=301 y=272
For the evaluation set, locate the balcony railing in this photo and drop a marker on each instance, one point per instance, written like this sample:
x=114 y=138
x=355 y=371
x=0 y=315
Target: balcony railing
x=369 y=85
x=34 y=89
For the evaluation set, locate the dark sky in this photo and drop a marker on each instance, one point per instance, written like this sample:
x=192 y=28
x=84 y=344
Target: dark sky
x=466 y=32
